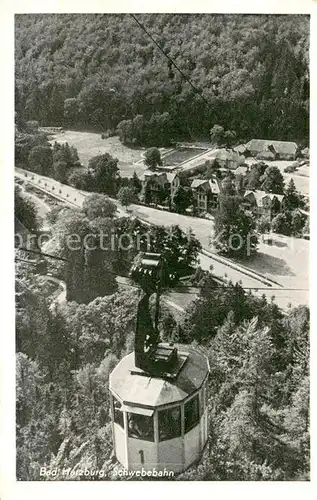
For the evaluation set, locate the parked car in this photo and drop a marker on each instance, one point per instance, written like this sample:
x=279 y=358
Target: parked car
x=292 y=167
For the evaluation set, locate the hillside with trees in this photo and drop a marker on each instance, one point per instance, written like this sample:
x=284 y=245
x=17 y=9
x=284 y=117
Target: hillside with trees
x=103 y=72
x=258 y=389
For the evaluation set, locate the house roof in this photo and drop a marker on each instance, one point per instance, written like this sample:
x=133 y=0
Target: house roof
x=242 y=169
x=171 y=176
x=150 y=173
x=197 y=183
x=226 y=154
x=260 y=195
x=266 y=155
x=282 y=147
x=241 y=148
x=143 y=390
x=211 y=184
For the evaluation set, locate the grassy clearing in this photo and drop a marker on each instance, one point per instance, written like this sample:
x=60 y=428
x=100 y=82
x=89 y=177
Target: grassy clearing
x=89 y=144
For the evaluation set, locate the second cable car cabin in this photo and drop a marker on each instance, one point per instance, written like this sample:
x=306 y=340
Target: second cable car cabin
x=158 y=392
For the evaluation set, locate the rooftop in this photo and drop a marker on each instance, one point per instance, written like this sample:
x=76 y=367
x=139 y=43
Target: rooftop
x=282 y=147
x=260 y=195
x=208 y=184
x=139 y=389
x=198 y=182
x=171 y=176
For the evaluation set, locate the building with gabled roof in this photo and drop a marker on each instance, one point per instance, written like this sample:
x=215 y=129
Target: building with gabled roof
x=174 y=182
x=268 y=204
x=206 y=193
x=283 y=150
x=157 y=181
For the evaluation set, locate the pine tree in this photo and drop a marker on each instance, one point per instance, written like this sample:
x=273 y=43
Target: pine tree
x=234 y=228
x=293 y=199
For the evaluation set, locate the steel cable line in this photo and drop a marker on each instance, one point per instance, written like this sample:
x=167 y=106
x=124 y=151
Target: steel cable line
x=195 y=89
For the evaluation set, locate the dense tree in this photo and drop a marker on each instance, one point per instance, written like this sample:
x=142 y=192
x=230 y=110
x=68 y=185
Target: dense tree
x=81 y=180
x=88 y=271
x=293 y=199
x=120 y=75
x=98 y=205
x=102 y=326
x=59 y=171
x=259 y=400
x=234 y=228
x=100 y=71
x=25 y=211
x=24 y=143
x=289 y=223
x=125 y=132
x=253 y=177
x=152 y=157
x=71 y=111
x=282 y=223
x=258 y=403
x=40 y=160
x=67 y=154
x=136 y=183
x=217 y=135
x=105 y=173
x=32 y=315
x=263 y=224
x=272 y=181
x=147 y=192
x=126 y=196
x=182 y=199
x=65 y=158
x=228 y=186
x=230 y=138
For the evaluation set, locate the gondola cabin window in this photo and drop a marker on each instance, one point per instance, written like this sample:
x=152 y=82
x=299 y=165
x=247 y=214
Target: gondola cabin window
x=169 y=422
x=140 y=427
x=191 y=413
x=117 y=413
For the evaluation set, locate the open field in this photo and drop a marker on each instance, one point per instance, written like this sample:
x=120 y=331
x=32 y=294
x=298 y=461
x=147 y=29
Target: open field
x=285 y=261
x=89 y=144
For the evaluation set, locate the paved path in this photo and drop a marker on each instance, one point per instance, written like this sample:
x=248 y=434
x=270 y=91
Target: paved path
x=285 y=262
x=42 y=207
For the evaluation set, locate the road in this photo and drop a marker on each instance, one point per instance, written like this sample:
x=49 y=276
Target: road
x=42 y=207
x=285 y=262
x=178 y=301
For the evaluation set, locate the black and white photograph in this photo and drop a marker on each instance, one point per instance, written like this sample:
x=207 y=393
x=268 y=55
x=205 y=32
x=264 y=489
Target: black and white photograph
x=161 y=246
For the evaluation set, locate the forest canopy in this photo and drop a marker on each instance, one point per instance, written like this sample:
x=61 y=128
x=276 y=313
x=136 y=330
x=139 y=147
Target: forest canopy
x=95 y=71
